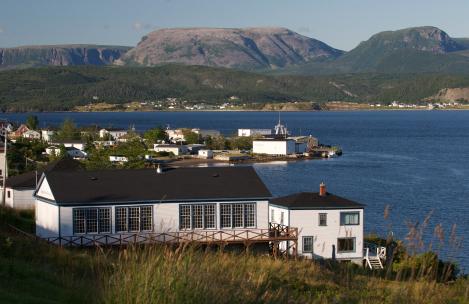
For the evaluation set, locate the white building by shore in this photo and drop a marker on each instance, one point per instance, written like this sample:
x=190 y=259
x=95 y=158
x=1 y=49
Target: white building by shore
x=254 y=132
x=175 y=149
x=273 y=146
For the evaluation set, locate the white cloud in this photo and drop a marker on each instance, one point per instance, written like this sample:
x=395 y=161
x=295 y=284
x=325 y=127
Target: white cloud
x=137 y=26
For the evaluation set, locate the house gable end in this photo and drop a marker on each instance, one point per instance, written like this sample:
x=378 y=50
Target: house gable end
x=44 y=190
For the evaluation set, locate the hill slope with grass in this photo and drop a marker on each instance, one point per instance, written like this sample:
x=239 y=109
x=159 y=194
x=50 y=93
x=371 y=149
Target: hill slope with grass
x=63 y=88
x=34 y=272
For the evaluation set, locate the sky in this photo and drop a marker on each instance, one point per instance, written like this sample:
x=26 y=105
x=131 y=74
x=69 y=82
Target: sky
x=340 y=23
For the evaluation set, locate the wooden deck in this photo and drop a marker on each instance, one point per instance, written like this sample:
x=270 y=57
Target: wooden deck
x=275 y=234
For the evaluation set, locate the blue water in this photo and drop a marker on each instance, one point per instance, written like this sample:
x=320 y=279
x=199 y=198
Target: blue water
x=417 y=162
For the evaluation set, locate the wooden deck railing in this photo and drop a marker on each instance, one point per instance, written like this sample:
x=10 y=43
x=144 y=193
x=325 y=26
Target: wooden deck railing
x=275 y=233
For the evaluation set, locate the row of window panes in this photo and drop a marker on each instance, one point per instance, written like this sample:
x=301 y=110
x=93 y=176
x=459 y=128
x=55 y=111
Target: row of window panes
x=349 y=218
x=134 y=219
x=197 y=216
x=203 y=216
x=238 y=215
x=98 y=220
x=343 y=244
x=92 y=220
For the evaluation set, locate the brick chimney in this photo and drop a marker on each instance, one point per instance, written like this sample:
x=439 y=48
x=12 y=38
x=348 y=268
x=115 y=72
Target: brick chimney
x=322 y=189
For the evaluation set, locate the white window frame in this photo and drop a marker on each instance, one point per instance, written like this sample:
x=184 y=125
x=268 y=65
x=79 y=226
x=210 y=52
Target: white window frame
x=319 y=219
x=307 y=237
x=87 y=218
x=127 y=218
x=347 y=238
x=343 y=216
x=244 y=215
x=203 y=216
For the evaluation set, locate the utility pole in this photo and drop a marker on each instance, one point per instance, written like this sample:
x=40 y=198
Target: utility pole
x=5 y=166
x=5 y=135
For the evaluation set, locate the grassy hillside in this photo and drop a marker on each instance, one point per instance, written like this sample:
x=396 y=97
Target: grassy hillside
x=34 y=272
x=62 y=88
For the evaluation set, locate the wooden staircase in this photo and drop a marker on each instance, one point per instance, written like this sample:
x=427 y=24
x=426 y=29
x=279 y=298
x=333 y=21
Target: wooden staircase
x=374 y=261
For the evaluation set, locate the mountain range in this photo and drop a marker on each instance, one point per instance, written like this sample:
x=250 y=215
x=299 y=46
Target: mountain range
x=271 y=50
x=59 y=55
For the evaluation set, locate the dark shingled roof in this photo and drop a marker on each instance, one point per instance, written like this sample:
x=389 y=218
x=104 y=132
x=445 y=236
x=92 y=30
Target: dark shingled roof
x=310 y=200
x=121 y=186
x=28 y=179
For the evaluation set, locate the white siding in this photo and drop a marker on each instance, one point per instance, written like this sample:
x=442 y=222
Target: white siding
x=274 y=147
x=307 y=222
x=165 y=216
x=20 y=199
x=47 y=219
x=252 y=132
x=45 y=190
x=275 y=215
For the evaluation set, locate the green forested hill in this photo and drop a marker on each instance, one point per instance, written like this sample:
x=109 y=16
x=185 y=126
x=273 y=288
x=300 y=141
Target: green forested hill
x=62 y=88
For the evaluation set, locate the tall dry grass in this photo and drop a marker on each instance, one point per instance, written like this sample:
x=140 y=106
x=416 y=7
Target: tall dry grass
x=155 y=274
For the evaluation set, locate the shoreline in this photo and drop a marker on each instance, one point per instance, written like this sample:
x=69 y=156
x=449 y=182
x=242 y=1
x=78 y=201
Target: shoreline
x=189 y=162
x=246 y=110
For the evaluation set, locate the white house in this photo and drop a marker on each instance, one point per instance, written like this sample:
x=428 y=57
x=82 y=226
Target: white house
x=118 y=159
x=79 y=144
x=31 y=134
x=175 y=149
x=273 y=146
x=206 y=154
x=175 y=135
x=204 y=132
x=254 y=132
x=115 y=134
x=20 y=188
x=329 y=226
x=53 y=150
x=117 y=206
x=46 y=135
x=229 y=205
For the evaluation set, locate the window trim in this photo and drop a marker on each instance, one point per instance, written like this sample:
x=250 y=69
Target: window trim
x=305 y=237
x=127 y=217
x=319 y=219
x=203 y=215
x=98 y=223
x=244 y=216
x=342 y=215
x=347 y=238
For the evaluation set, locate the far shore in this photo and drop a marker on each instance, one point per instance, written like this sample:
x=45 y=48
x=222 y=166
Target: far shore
x=248 y=110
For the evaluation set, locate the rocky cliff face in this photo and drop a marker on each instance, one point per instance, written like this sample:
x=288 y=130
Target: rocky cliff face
x=60 y=55
x=452 y=94
x=249 y=48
